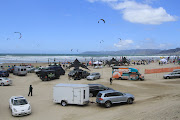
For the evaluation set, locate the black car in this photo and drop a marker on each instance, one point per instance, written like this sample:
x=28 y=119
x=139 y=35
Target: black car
x=4 y=73
x=95 y=88
x=78 y=74
x=11 y=69
x=57 y=68
x=46 y=75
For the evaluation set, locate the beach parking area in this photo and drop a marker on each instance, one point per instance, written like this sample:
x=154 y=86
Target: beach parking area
x=155 y=98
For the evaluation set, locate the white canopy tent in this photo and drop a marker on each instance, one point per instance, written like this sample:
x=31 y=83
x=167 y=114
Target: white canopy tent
x=163 y=60
x=97 y=63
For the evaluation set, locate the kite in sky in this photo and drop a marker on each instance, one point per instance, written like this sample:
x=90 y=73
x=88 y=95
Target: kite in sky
x=19 y=34
x=102 y=20
x=101 y=41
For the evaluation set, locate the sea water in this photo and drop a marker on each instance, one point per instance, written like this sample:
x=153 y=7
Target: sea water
x=40 y=58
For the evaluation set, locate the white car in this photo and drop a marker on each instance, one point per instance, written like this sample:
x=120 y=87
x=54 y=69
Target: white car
x=5 y=81
x=93 y=76
x=19 y=106
x=30 y=69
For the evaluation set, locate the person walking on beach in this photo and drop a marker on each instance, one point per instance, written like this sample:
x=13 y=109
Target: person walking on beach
x=30 y=90
x=111 y=81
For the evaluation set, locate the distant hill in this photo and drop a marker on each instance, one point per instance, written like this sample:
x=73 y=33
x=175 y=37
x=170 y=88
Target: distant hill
x=136 y=52
x=175 y=51
x=125 y=52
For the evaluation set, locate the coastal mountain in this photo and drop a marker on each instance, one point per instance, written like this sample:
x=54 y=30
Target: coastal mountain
x=136 y=52
x=171 y=51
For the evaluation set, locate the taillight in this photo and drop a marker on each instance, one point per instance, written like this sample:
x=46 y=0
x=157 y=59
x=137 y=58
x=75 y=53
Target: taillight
x=45 y=76
x=7 y=81
x=100 y=99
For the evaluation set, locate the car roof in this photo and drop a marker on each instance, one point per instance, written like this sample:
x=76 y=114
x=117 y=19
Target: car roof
x=95 y=85
x=108 y=91
x=17 y=97
x=176 y=70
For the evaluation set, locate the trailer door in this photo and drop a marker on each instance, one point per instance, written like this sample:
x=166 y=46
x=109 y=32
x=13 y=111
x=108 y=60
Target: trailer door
x=77 y=96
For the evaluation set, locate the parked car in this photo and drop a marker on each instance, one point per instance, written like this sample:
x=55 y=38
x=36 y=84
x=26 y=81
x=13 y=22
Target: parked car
x=172 y=75
x=58 y=69
x=11 y=69
x=95 y=88
x=4 y=73
x=37 y=71
x=176 y=70
x=30 y=69
x=5 y=81
x=110 y=97
x=46 y=75
x=78 y=74
x=19 y=106
x=20 y=70
x=93 y=76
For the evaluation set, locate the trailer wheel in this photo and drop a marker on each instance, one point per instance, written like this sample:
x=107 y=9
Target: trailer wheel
x=64 y=103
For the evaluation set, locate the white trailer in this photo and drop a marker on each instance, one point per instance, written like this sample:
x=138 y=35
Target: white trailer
x=71 y=94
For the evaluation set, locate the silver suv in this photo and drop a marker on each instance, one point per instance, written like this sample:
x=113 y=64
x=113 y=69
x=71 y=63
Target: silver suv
x=172 y=75
x=109 y=97
x=93 y=76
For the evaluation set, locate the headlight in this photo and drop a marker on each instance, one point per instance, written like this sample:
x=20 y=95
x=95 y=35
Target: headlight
x=29 y=108
x=14 y=110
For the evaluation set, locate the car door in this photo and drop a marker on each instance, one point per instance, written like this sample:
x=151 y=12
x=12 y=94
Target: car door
x=176 y=75
x=10 y=103
x=117 y=97
x=112 y=97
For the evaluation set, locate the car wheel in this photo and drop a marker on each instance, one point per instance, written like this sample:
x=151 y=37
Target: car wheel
x=130 y=101
x=2 y=84
x=168 y=77
x=64 y=103
x=90 y=94
x=93 y=78
x=108 y=104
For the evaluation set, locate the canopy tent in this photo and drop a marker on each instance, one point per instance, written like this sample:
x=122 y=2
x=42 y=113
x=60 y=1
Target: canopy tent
x=163 y=60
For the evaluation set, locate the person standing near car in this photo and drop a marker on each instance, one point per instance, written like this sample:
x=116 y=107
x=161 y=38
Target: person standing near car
x=111 y=81
x=30 y=90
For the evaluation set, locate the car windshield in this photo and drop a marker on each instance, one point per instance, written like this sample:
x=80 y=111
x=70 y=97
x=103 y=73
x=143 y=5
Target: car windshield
x=6 y=78
x=92 y=74
x=20 y=102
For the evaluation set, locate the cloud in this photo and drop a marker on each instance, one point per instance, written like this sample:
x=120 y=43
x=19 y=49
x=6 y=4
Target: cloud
x=124 y=44
x=147 y=43
x=140 y=12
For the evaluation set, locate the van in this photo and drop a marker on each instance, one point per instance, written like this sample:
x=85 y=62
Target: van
x=126 y=73
x=19 y=70
x=71 y=94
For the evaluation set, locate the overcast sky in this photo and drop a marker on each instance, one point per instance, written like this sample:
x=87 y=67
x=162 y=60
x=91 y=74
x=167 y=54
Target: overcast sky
x=71 y=26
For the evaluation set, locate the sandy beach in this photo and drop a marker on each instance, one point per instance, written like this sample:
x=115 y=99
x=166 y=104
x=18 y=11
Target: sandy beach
x=155 y=98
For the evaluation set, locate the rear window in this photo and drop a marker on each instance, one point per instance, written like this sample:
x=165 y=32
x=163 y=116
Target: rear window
x=99 y=94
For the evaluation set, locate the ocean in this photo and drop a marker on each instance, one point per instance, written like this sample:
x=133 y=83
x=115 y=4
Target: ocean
x=41 y=58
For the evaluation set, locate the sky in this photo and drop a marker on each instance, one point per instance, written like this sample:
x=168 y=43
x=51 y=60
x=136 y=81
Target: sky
x=71 y=26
